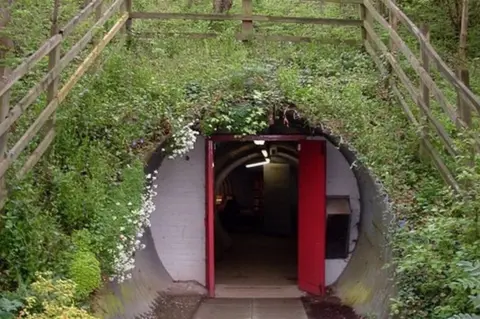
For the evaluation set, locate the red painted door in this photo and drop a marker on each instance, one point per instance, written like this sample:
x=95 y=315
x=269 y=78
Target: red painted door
x=210 y=218
x=311 y=216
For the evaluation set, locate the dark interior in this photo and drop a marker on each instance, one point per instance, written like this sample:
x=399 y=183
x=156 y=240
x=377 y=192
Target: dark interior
x=338 y=227
x=262 y=251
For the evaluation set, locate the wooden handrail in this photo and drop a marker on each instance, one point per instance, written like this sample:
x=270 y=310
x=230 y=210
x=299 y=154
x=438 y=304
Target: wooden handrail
x=41 y=86
x=442 y=67
x=437 y=161
x=420 y=96
x=240 y=17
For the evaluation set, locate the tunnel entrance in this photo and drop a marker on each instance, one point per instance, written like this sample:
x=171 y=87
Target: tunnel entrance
x=256 y=207
x=279 y=218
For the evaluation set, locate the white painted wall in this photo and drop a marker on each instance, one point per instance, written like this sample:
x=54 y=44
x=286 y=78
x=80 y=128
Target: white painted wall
x=341 y=182
x=178 y=222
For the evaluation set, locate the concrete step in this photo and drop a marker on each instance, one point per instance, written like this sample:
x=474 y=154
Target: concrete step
x=237 y=308
x=255 y=291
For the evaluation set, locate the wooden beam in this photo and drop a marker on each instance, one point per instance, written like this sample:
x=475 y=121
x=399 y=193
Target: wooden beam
x=365 y=16
x=424 y=90
x=442 y=67
x=247 y=25
x=30 y=62
x=128 y=24
x=297 y=39
x=80 y=17
x=62 y=94
x=54 y=59
x=239 y=36
x=239 y=17
x=37 y=154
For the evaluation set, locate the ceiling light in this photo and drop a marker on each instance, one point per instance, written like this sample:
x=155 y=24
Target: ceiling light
x=265 y=153
x=266 y=161
x=258 y=142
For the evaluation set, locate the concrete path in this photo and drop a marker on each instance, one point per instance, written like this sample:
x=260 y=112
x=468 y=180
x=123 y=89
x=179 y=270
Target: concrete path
x=251 y=309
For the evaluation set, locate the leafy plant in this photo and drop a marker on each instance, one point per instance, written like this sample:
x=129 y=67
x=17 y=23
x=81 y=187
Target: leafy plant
x=9 y=307
x=52 y=299
x=85 y=272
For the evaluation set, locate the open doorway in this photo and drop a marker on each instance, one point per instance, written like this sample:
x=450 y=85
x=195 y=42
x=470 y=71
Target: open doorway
x=256 y=215
x=276 y=215
x=275 y=237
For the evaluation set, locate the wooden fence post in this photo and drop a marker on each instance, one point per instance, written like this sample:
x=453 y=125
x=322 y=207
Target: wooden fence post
x=424 y=95
x=53 y=59
x=6 y=45
x=393 y=21
x=247 y=25
x=98 y=15
x=128 y=24
x=123 y=9
x=96 y=38
x=366 y=17
x=463 y=108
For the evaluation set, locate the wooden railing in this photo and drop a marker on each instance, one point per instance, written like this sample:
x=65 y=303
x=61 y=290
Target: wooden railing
x=399 y=81
x=45 y=122
x=247 y=19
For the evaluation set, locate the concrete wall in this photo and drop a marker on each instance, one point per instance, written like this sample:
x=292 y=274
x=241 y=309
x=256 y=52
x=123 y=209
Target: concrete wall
x=365 y=284
x=341 y=181
x=178 y=223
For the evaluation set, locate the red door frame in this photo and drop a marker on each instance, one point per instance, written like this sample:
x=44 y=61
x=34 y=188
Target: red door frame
x=210 y=193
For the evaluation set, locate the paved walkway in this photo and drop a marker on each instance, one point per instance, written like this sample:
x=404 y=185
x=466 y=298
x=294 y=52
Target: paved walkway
x=251 y=309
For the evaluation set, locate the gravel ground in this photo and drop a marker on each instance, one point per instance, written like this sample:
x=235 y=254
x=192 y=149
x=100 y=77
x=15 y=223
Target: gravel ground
x=327 y=308
x=174 y=307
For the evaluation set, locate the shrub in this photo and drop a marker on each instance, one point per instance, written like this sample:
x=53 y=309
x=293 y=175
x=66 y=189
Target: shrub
x=85 y=272
x=53 y=299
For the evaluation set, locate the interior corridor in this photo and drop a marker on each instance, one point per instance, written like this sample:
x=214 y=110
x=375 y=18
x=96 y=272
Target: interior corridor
x=257 y=259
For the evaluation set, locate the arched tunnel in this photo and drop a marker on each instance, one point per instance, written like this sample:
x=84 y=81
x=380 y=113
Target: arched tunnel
x=174 y=260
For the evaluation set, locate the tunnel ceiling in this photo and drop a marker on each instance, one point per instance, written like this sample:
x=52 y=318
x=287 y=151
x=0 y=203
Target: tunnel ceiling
x=228 y=152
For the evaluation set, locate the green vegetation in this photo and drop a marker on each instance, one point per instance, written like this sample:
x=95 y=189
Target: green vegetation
x=79 y=214
x=85 y=272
